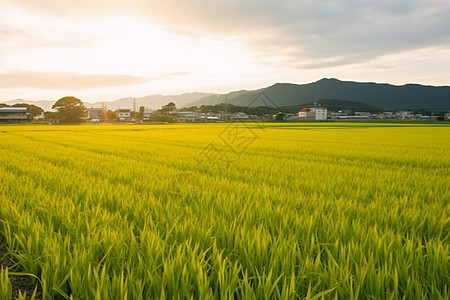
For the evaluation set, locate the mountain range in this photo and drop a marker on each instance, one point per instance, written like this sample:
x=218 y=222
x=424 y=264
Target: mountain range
x=344 y=93
x=385 y=96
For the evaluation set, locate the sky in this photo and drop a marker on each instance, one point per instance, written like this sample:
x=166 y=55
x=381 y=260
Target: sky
x=102 y=50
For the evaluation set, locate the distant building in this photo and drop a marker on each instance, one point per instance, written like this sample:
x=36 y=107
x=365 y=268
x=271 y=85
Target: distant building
x=306 y=114
x=365 y=114
x=313 y=113
x=187 y=116
x=386 y=115
x=207 y=117
x=422 y=117
x=338 y=114
x=96 y=114
x=147 y=113
x=239 y=115
x=11 y=115
x=123 y=114
x=291 y=117
x=447 y=117
x=405 y=114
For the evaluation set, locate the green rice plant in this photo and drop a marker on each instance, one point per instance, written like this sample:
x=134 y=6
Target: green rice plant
x=307 y=210
x=23 y=296
x=5 y=284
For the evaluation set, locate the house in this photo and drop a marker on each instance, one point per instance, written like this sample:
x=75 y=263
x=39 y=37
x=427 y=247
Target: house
x=208 y=116
x=405 y=114
x=96 y=114
x=447 y=117
x=422 y=117
x=338 y=114
x=386 y=115
x=364 y=114
x=313 y=113
x=239 y=116
x=187 y=116
x=123 y=114
x=306 y=114
x=10 y=115
x=146 y=113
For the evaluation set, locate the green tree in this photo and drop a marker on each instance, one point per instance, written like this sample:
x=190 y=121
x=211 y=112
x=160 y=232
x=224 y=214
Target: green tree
x=49 y=115
x=32 y=110
x=165 y=114
x=167 y=109
x=280 y=116
x=141 y=112
x=70 y=109
x=111 y=116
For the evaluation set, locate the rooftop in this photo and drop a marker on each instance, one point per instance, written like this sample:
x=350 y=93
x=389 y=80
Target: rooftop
x=13 y=109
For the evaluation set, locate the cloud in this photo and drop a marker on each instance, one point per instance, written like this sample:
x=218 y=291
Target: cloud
x=20 y=31
x=65 y=80
x=288 y=33
x=312 y=34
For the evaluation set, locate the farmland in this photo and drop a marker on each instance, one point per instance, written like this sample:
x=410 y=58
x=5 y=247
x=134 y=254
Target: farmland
x=283 y=210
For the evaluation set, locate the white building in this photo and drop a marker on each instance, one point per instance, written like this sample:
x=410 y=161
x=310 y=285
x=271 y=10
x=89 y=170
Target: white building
x=405 y=114
x=447 y=117
x=123 y=114
x=187 y=116
x=239 y=115
x=313 y=113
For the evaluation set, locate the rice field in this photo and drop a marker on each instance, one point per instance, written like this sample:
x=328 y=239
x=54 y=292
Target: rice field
x=228 y=211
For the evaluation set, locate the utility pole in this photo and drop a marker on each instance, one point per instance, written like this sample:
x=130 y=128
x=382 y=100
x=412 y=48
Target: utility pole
x=226 y=107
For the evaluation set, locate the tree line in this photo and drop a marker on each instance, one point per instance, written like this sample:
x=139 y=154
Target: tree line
x=70 y=109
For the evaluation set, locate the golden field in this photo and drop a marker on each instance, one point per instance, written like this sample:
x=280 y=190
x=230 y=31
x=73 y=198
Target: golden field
x=238 y=210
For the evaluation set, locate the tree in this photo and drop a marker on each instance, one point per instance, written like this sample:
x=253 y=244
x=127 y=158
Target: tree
x=165 y=114
x=49 y=115
x=70 y=109
x=110 y=116
x=141 y=112
x=280 y=116
x=167 y=109
x=32 y=110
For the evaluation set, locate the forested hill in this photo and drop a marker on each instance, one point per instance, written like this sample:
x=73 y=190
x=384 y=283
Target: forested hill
x=386 y=96
x=333 y=93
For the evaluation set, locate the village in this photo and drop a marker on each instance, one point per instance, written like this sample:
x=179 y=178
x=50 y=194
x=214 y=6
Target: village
x=317 y=112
